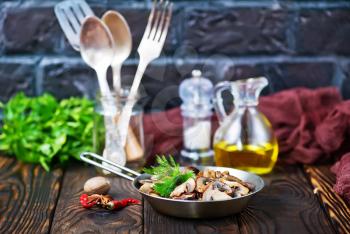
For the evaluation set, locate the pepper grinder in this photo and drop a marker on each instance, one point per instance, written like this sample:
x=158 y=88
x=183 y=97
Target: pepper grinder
x=196 y=94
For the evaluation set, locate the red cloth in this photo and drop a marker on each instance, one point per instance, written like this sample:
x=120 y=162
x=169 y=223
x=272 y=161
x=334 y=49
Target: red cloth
x=296 y=116
x=311 y=126
x=342 y=170
x=163 y=133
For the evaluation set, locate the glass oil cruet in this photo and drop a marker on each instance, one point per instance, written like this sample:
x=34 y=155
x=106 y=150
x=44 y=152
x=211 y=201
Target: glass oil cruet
x=244 y=139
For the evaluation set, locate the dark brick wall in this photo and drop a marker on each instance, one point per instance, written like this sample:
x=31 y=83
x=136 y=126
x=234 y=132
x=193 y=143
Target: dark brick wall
x=292 y=43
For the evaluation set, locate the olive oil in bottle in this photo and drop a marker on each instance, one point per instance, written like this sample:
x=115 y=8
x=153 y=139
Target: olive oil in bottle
x=245 y=139
x=252 y=158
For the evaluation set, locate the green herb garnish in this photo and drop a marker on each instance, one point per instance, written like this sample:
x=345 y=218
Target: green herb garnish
x=168 y=174
x=46 y=131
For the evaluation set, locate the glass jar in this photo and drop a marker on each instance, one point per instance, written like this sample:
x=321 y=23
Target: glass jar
x=196 y=111
x=135 y=147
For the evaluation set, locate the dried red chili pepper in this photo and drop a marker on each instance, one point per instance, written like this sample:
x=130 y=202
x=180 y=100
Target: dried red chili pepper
x=115 y=204
x=86 y=202
x=133 y=201
x=106 y=201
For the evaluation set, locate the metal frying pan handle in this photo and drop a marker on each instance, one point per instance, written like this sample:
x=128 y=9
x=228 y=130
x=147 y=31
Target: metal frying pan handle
x=85 y=156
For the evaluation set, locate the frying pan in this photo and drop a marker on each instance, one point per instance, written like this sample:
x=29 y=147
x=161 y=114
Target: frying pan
x=183 y=208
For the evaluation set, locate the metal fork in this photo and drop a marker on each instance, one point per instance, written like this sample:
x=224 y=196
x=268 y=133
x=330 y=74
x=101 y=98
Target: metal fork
x=71 y=15
x=149 y=49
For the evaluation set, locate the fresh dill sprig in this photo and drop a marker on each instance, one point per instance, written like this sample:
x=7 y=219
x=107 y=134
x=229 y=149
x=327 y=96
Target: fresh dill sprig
x=165 y=167
x=168 y=174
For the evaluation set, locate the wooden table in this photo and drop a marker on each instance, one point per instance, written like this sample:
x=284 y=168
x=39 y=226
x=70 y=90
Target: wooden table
x=295 y=200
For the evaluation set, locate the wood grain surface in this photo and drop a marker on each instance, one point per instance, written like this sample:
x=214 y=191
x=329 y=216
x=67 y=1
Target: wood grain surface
x=28 y=195
x=286 y=205
x=71 y=217
x=34 y=201
x=338 y=210
x=155 y=222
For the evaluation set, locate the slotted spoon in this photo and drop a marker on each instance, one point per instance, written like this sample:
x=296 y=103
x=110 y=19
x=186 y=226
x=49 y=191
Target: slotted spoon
x=71 y=15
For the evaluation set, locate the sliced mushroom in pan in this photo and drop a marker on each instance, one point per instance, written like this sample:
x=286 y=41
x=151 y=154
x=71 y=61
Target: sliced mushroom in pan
x=202 y=184
x=147 y=188
x=186 y=196
x=207 y=185
x=222 y=187
x=212 y=193
x=186 y=187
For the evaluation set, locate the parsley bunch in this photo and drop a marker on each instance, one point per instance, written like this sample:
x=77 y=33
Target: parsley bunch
x=46 y=131
x=168 y=174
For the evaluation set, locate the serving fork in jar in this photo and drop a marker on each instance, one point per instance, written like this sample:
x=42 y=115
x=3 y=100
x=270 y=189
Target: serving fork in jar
x=149 y=49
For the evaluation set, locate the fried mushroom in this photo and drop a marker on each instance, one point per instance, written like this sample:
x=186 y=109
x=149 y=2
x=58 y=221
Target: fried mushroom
x=201 y=184
x=191 y=168
x=187 y=187
x=209 y=173
x=238 y=188
x=235 y=179
x=145 y=181
x=186 y=196
x=147 y=188
x=232 y=178
x=212 y=193
x=218 y=174
x=222 y=187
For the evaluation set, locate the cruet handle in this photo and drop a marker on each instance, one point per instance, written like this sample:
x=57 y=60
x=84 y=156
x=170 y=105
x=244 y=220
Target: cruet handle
x=218 y=101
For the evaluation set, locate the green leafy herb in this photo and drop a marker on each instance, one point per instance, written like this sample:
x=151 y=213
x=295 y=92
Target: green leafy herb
x=167 y=185
x=165 y=168
x=46 y=131
x=168 y=174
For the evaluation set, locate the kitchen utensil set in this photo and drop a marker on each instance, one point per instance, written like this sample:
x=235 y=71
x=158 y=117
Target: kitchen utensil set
x=108 y=42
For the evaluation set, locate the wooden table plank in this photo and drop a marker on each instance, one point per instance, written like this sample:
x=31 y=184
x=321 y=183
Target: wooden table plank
x=70 y=217
x=286 y=205
x=155 y=222
x=323 y=180
x=28 y=195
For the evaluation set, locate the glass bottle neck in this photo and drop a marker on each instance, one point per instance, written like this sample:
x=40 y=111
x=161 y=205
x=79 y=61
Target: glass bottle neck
x=246 y=98
x=247 y=92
